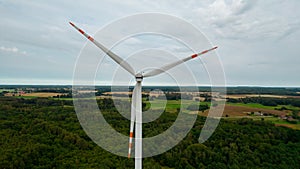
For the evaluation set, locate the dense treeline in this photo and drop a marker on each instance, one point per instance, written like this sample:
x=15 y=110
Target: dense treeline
x=263 y=90
x=229 y=90
x=195 y=107
x=103 y=89
x=39 y=88
x=45 y=133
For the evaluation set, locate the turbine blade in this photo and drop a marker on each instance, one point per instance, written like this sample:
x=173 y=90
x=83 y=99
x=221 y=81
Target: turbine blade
x=171 y=65
x=112 y=55
x=138 y=127
x=132 y=120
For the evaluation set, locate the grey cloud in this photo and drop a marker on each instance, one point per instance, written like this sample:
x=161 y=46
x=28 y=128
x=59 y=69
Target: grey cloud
x=251 y=34
x=14 y=50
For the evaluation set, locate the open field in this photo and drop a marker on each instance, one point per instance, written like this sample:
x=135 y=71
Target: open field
x=275 y=120
x=36 y=94
x=236 y=110
x=292 y=126
x=42 y=94
x=238 y=96
x=231 y=109
x=63 y=98
x=173 y=105
x=7 y=90
x=239 y=110
x=120 y=93
x=257 y=105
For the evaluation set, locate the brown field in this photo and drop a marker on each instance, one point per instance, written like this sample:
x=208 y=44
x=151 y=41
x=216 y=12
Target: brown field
x=293 y=126
x=124 y=93
x=238 y=96
x=42 y=94
x=233 y=111
x=296 y=97
x=112 y=97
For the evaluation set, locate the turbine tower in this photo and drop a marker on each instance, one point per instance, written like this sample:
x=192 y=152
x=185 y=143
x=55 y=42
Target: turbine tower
x=136 y=104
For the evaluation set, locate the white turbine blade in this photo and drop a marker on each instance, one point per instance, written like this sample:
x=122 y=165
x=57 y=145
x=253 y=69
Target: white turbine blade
x=171 y=65
x=115 y=57
x=132 y=120
x=138 y=127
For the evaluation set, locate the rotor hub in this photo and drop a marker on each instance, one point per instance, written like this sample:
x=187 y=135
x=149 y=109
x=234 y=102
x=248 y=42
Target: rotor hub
x=139 y=77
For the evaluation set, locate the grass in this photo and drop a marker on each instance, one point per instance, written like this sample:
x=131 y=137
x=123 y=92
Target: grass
x=292 y=126
x=62 y=98
x=7 y=90
x=25 y=97
x=173 y=105
x=257 y=105
x=252 y=105
x=280 y=122
x=275 y=120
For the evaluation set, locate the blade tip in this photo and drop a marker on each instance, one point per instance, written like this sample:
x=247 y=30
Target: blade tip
x=71 y=23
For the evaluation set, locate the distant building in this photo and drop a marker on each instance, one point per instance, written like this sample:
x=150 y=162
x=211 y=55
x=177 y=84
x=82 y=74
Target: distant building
x=283 y=117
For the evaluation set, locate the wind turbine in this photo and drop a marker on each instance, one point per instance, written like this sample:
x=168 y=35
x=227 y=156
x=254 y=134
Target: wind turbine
x=136 y=104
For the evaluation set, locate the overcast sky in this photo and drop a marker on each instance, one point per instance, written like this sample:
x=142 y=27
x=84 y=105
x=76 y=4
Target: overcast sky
x=258 y=40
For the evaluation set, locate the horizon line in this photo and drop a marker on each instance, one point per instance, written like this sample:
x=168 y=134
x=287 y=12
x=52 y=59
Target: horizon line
x=150 y=85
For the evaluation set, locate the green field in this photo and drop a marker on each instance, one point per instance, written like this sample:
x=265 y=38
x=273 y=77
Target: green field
x=173 y=105
x=274 y=120
x=25 y=97
x=257 y=105
x=62 y=98
x=7 y=90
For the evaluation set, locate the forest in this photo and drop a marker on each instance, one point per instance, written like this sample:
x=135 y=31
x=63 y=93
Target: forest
x=45 y=133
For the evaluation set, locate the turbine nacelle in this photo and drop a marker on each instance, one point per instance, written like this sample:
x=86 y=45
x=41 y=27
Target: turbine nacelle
x=139 y=77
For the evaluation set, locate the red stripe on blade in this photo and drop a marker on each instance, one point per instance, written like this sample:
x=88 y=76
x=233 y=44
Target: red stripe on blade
x=81 y=31
x=131 y=134
x=204 y=52
x=91 y=39
x=194 y=55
